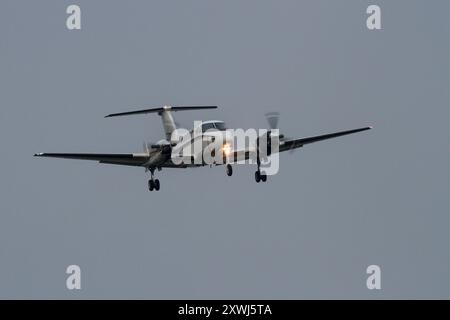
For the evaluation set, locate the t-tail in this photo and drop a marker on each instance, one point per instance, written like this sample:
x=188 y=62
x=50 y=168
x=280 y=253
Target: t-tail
x=166 y=115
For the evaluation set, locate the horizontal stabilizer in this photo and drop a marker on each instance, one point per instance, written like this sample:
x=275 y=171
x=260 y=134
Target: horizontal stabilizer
x=160 y=109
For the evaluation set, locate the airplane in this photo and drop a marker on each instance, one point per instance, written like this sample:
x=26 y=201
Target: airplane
x=158 y=155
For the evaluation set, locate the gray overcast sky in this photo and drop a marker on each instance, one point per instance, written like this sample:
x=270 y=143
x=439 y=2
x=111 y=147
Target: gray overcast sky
x=378 y=197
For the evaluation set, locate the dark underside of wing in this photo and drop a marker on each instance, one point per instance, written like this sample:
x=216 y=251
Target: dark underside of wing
x=126 y=159
x=297 y=143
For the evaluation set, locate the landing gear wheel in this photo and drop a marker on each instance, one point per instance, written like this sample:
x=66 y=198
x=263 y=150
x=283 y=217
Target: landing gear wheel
x=263 y=177
x=151 y=185
x=229 y=170
x=257 y=176
x=156 y=183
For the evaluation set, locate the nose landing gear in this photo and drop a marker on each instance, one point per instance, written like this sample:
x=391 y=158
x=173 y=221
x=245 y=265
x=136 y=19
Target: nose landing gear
x=229 y=170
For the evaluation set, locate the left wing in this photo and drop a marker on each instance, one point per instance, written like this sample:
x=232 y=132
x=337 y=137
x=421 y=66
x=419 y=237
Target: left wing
x=126 y=159
x=297 y=143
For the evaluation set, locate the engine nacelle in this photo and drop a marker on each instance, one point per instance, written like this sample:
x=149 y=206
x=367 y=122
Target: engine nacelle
x=164 y=146
x=166 y=149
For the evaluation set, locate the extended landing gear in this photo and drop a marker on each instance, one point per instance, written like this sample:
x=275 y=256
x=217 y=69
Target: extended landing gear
x=260 y=176
x=153 y=184
x=229 y=170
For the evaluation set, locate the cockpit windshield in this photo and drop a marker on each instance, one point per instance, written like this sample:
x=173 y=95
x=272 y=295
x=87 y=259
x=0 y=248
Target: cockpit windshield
x=219 y=125
x=207 y=126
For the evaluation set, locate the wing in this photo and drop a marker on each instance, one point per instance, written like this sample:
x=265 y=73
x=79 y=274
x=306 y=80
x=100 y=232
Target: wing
x=297 y=143
x=245 y=154
x=126 y=159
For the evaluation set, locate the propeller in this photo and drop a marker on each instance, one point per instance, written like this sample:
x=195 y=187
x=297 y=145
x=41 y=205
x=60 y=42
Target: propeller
x=272 y=119
x=146 y=150
x=145 y=147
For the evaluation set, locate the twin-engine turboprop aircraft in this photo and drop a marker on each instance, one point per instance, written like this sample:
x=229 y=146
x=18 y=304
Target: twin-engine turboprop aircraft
x=160 y=155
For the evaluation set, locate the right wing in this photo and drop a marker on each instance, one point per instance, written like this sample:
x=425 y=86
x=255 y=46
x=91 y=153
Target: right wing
x=126 y=159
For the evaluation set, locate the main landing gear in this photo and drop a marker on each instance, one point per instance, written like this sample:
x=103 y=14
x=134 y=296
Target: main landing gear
x=153 y=184
x=258 y=175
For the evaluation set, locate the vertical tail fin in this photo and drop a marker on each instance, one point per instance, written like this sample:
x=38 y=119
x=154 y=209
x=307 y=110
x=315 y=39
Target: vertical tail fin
x=168 y=122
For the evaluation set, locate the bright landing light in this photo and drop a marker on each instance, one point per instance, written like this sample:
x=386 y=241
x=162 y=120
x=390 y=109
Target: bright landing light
x=226 y=148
